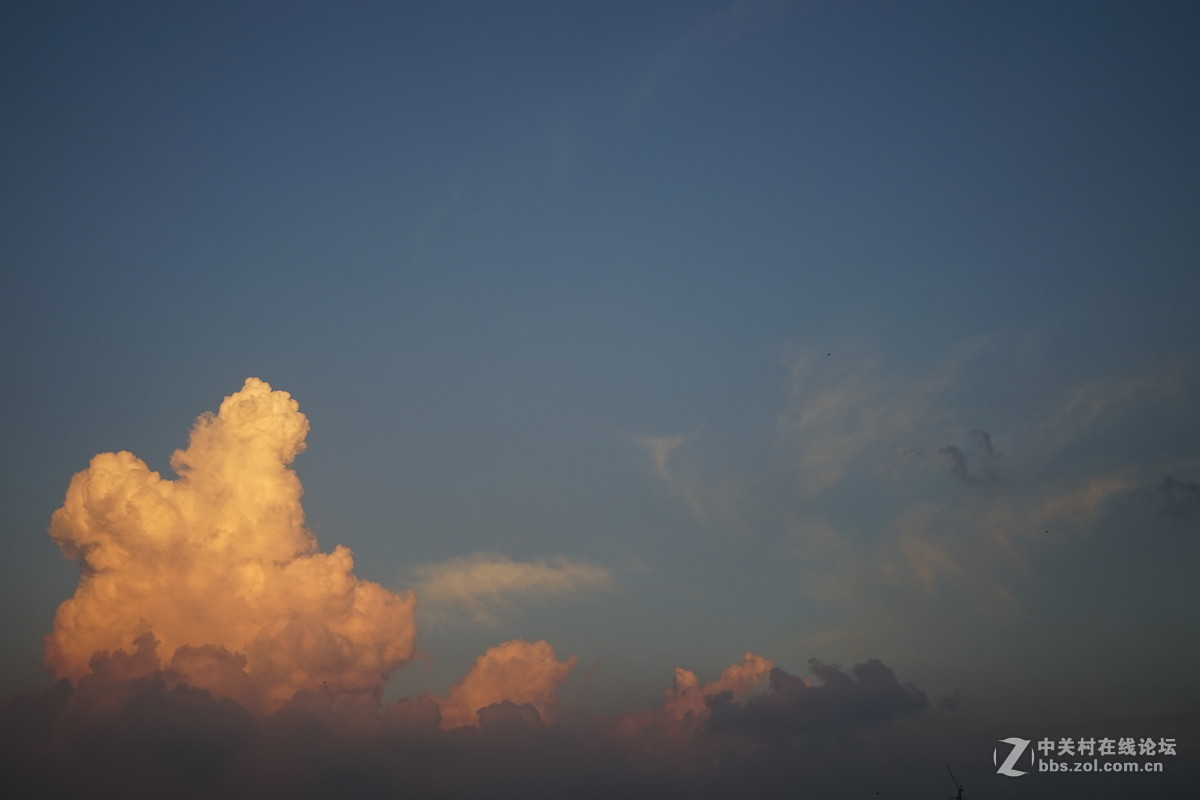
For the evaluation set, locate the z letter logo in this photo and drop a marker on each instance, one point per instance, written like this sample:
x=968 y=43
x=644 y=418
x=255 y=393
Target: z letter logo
x=1018 y=747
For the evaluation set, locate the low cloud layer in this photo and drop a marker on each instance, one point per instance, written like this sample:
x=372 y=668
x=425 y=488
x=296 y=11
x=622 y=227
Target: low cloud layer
x=140 y=731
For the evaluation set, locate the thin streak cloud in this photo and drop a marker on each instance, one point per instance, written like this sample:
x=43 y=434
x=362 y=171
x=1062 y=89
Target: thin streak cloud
x=483 y=586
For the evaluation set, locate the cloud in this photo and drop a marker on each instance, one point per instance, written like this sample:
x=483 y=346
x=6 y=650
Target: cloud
x=132 y=738
x=849 y=418
x=482 y=584
x=985 y=439
x=868 y=694
x=687 y=702
x=660 y=449
x=524 y=674
x=212 y=650
x=685 y=712
x=959 y=463
x=703 y=496
x=218 y=568
x=1048 y=458
x=1087 y=411
x=1081 y=503
x=1179 y=498
x=840 y=414
x=852 y=732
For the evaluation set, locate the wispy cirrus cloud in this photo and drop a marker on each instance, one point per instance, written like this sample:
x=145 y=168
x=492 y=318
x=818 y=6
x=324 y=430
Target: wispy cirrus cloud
x=848 y=409
x=482 y=586
x=1034 y=478
x=660 y=449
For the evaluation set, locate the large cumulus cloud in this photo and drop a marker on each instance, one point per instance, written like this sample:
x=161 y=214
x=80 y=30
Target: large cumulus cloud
x=218 y=567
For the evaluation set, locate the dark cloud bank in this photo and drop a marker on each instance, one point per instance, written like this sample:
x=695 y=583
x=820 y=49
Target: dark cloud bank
x=152 y=736
x=851 y=733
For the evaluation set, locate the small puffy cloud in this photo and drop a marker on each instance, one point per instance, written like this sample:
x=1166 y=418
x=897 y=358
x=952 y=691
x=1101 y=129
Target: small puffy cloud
x=519 y=672
x=217 y=568
x=480 y=585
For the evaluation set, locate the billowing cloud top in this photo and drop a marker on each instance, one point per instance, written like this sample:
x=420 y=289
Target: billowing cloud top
x=519 y=672
x=219 y=567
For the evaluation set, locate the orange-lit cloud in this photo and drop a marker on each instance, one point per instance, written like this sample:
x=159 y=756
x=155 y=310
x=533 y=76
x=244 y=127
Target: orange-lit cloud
x=686 y=701
x=219 y=567
x=518 y=671
x=686 y=709
x=482 y=584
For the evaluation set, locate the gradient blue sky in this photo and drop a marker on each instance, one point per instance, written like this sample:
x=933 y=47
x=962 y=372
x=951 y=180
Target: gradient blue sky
x=503 y=254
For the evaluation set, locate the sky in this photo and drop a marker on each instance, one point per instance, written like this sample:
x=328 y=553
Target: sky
x=663 y=398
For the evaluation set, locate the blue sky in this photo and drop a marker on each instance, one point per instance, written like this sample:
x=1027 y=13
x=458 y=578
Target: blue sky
x=834 y=330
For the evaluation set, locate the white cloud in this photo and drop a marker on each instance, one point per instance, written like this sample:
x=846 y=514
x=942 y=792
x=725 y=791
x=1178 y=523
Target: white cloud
x=660 y=449
x=846 y=408
x=482 y=585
